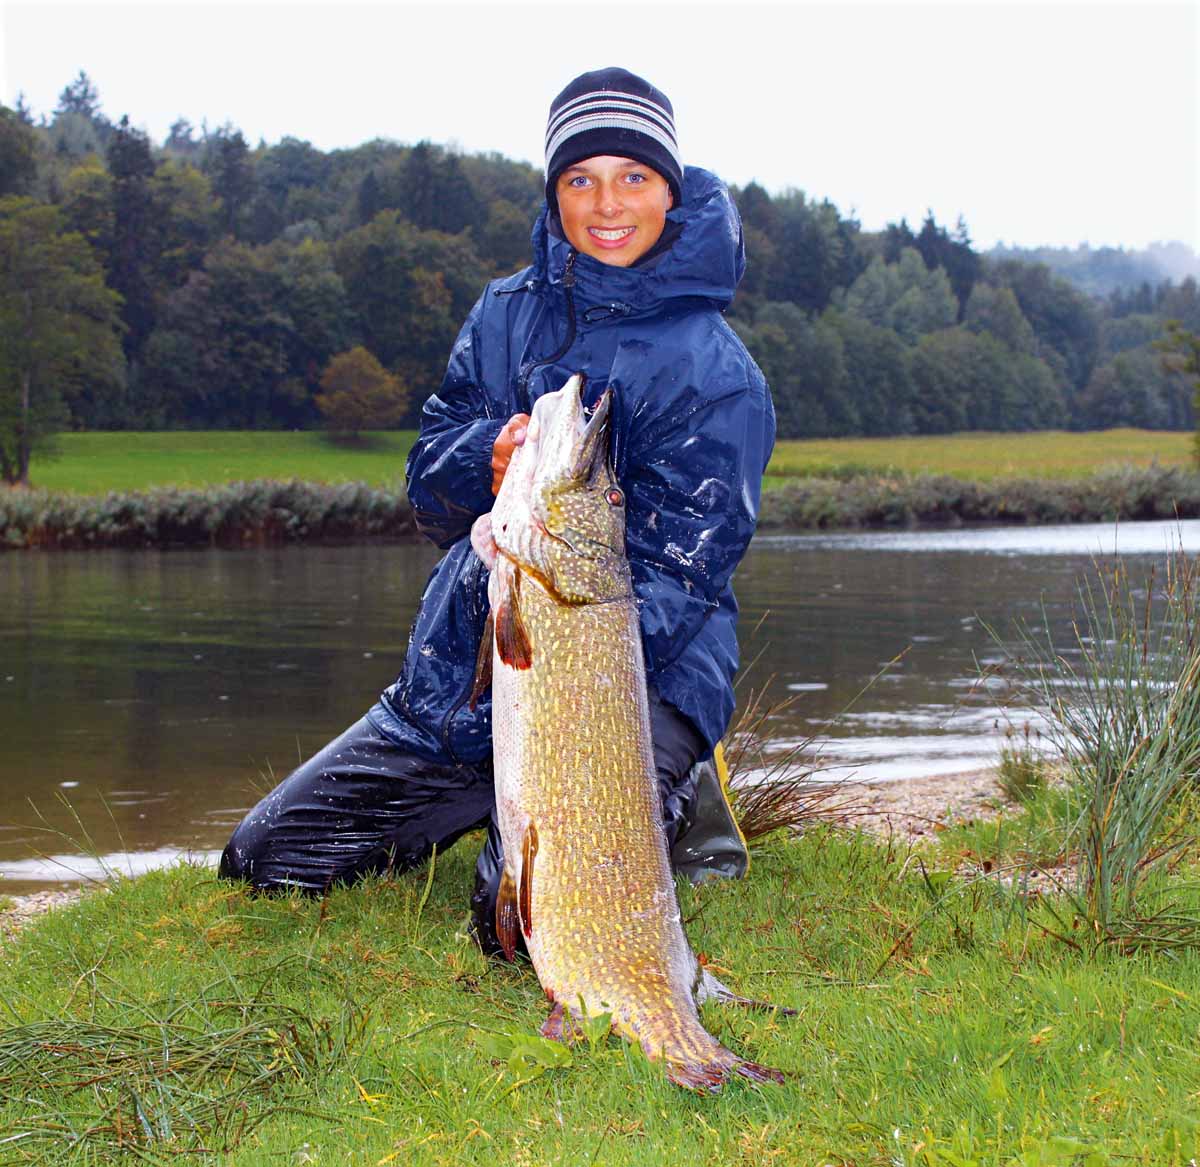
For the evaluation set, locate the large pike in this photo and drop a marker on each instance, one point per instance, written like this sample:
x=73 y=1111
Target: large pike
x=587 y=881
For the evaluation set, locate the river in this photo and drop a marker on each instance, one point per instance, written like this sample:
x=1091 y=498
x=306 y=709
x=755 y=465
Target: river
x=146 y=698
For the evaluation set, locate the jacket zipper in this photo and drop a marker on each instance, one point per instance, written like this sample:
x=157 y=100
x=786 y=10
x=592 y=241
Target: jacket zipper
x=568 y=283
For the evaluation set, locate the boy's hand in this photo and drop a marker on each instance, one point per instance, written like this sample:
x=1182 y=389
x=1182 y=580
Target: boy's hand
x=509 y=438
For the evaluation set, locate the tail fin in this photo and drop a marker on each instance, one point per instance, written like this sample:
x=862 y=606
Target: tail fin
x=708 y=1077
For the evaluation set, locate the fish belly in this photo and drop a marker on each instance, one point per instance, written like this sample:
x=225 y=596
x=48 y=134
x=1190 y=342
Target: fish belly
x=575 y=772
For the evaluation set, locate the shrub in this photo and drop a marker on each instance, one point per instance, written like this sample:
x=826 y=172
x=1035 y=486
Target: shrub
x=234 y=515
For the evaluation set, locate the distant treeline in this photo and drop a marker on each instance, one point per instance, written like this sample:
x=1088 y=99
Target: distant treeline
x=243 y=270
x=1100 y=271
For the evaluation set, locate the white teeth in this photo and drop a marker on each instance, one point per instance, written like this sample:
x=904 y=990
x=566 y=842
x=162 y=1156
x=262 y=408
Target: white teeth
x=620 y=233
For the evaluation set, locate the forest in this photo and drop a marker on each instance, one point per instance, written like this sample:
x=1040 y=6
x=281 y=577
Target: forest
x=205 y=283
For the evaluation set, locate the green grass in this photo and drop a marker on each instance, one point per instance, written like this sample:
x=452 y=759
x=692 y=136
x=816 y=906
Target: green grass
x=940 y=1025
x=984 y=456
x=93 y=463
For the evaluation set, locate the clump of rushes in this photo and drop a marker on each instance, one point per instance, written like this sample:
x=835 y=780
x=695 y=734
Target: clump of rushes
x=1022 y=769
x=774 y=789
x=1123 y=709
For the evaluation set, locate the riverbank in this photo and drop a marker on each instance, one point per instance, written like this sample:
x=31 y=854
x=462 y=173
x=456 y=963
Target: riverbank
x=909 y=810
x=263 y=513
x=99 y=463
x=942 y=1020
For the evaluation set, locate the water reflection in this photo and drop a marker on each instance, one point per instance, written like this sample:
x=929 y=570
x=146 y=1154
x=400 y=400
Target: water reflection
x=147 y=698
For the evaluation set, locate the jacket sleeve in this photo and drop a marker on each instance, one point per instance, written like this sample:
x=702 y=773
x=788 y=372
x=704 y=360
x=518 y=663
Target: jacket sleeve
x=692 y=480
x=449 y=469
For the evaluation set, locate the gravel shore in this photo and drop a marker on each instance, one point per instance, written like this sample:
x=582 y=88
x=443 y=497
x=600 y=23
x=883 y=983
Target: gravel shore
x=912 y=809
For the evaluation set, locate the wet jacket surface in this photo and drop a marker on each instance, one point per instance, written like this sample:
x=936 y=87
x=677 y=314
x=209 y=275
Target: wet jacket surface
x=692 y=427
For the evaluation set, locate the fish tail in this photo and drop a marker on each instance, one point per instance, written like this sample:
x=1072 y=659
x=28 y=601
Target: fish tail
x=710 y=1075
x=694 y=1059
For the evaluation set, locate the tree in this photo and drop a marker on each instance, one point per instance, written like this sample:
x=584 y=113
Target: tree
x=219 y=357
x=358 y=393
x=504 y=238
x=18 y=153
x=996 y=311
x=906 y=296
x=952 y=255
x=805 y=366
x=816 y=252
x=410 y=291
x=135 y=232
x=87 y=203
x=232 y=175
x=878 y=382
x=1181 y=355
x=370 y=201
x=1062 y=318
x=80 y=97
x=966 y=380
x=58 y=328
x=181 y=140
x=186 y=218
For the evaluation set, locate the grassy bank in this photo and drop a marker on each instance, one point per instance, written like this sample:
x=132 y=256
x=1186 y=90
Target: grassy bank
x=983 y=457
x=942 y=1023
x=257 y=513
x=225 y=489
x=95 y=463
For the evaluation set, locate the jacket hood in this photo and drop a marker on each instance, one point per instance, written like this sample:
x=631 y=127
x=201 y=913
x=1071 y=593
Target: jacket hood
x=706 y=259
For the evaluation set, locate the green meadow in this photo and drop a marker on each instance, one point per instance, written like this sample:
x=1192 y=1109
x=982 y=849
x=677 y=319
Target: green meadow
x=984 y=456
x=94 y=463
x=944 y=1021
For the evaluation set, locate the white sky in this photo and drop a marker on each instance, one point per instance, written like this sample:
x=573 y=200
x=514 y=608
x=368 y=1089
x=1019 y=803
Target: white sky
x=1041 y=123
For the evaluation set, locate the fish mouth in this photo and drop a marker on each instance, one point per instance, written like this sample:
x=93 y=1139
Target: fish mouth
x=585 y=444
x=591 y=430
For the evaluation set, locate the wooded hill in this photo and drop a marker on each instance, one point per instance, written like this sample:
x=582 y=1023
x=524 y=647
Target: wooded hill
x=243 y=270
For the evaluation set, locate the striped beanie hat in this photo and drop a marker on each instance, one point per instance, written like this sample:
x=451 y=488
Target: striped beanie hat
x=612 y=111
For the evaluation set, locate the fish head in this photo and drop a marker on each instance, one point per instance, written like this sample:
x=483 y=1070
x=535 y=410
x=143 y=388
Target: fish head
x=562 y=516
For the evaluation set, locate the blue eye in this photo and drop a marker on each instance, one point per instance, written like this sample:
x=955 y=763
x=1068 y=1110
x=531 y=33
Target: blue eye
x=578 y=181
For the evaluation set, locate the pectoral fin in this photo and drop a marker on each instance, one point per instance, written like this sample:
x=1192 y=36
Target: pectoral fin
x=512 y=637
x=483 y=663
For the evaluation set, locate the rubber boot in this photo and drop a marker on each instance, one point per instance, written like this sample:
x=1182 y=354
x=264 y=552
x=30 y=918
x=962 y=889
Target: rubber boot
x=712 y=845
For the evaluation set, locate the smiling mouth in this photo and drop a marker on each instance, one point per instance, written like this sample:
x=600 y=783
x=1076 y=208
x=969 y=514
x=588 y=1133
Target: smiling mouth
x=611 y=235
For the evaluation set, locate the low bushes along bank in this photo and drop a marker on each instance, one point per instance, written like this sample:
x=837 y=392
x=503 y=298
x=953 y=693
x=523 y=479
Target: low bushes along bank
x=235 y=515
x=266 y=512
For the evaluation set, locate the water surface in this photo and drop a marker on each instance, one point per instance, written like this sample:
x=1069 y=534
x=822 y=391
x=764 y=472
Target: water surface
x=147 y=698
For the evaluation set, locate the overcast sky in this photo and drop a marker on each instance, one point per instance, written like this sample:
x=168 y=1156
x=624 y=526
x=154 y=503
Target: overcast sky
x=1039 y=123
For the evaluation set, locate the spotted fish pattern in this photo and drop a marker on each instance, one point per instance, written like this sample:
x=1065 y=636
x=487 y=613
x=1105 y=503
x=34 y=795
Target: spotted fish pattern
x=587 y=881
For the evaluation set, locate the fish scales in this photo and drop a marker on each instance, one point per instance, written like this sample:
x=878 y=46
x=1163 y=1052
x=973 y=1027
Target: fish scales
x=587 y=876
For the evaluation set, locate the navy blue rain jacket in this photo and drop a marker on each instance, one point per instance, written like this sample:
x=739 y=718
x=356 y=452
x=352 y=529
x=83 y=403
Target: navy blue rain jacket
x=692 y=427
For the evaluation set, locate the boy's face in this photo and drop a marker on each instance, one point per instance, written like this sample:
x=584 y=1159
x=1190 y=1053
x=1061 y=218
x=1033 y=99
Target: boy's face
x=613 y=209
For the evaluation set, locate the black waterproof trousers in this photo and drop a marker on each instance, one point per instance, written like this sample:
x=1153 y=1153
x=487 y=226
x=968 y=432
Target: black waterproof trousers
x=365 y=805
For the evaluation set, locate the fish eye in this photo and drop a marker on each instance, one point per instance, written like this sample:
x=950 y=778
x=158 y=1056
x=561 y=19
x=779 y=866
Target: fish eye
x=614 y=496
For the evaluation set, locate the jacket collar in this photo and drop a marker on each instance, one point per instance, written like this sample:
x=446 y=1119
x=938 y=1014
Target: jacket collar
x=706 y=261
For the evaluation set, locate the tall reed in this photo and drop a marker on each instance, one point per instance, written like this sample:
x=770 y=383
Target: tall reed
x=1123 y=706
